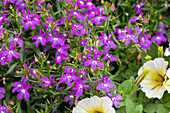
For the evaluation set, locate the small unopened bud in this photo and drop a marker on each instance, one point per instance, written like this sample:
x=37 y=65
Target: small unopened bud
x=10 y=7
x=127 y=14
x=91 y=69
x=48 y=62
x=90 y=40
x=45 y=96
x=36 y=60
x=48 y=5
x=19 y=14
x=117 y=21
x=108 y=62
x=70 y=23
x=112 y=7
x=11 y=102
x=148 y=58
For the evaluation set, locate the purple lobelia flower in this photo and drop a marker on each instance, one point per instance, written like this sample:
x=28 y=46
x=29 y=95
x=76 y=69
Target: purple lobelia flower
x=2 y=60
x=106 y=41
x=110 y=56
x=144 y=41
x=93 y=50
x=18 y=2
x=46 y=82
x=7 y=1
x=121 y=33
x=23 y=92
x=90 y=5
x=8 y=54
x=79 y=86
x=34 y=73
x=21 y=6
x=48 y=25
x=17 y=86
x=1 y=91
x=99 y=17
x=3 y=18
x=115 y=98
x=162 y=27
x=69 y=76
x=158 y=38
x=1 y=31
x=16 y=40
x=61 y=50
x=59 y=58
x=77 y=29
x=81 y=3
x=138 y=31
x=136 y=18
x=4 y=109
x=105 y=84
x=78 y=15
x=69 y=98
x=138 y=7
x=39 y=39
x=90 y=13
x=28 y=20
x=56 y=39
x=93 y=62
x=129 y=36
x=83 y=42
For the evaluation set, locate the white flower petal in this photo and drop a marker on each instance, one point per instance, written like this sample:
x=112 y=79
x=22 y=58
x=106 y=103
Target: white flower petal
x=79 y=110
x=152 y=88
x=167 y=52
x=168 y=73
x=153 y=75
x=106 y=102
x=110 y=110
x=160 y=66
x=94 y=105
x=89 y=104
x=140 y=70
x=167 y=86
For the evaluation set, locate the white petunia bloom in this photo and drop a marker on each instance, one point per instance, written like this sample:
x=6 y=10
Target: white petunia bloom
x=94 y=105
x=167 y=51
x=155 y=83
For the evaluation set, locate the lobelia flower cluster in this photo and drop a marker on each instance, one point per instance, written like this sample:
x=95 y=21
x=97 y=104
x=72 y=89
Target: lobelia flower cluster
x=63 y=56
x=139 y=35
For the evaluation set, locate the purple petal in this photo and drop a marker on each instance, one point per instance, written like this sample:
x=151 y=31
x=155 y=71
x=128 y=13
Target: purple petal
x=2 y=90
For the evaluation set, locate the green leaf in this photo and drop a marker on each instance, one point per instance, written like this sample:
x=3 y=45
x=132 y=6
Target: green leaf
x=121 y=110
x=126 y=86
x=165 y=98
x=21 y=52
x=153 y=52
x=150 y=108
x=129 y=106
x=168 y=35
x=167 y=104
x=162 y=109
x=29 y=110
x=11 y=68
x=139 y=109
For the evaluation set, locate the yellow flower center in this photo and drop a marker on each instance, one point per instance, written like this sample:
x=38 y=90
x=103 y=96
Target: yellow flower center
x=98 y=112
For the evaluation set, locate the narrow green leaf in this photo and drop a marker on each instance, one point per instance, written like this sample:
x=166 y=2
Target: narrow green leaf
x=139 y=109
x=153 y=52
x=129 y=106
x=11 y=68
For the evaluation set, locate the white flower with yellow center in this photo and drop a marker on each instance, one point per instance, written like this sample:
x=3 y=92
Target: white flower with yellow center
x=94 y=105
x=155 y=83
